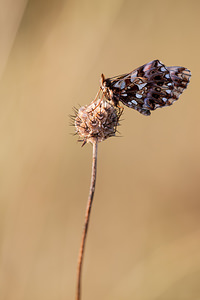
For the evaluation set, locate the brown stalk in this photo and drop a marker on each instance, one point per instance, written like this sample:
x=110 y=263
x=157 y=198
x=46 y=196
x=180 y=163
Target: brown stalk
x=87 y=217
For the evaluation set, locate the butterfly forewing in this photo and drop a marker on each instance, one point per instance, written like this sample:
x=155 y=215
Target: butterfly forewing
x=148 y=87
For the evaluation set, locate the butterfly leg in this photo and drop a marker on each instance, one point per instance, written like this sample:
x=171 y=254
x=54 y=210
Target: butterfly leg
x=121 y=110
x=121 y=107
x=96 y=96
x=99 y=101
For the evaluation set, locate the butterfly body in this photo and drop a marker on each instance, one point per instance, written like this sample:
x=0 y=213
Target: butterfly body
x=146 y=88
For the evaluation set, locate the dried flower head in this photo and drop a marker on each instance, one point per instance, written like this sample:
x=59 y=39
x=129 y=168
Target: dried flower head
x=97 y=121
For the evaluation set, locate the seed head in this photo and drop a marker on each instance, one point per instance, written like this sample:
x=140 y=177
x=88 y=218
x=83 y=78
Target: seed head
x=97 y=121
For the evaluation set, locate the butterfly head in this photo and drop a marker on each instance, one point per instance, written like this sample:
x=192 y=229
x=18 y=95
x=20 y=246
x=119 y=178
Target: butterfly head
x=105 y=83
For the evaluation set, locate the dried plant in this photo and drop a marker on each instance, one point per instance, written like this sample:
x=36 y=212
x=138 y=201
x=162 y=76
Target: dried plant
x=93 y=123
x=145 y=89
x=97 y=121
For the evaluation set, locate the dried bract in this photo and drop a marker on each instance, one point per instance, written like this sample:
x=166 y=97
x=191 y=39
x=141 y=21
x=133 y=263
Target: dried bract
x=97 y=121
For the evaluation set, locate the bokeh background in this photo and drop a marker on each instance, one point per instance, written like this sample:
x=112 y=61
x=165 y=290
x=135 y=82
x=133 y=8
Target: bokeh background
x=144 y=234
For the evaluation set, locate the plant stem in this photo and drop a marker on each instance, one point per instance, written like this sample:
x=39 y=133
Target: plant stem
x=87 y=217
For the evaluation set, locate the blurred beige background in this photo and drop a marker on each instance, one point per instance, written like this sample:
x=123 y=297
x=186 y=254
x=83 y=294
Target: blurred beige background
x=144 y=235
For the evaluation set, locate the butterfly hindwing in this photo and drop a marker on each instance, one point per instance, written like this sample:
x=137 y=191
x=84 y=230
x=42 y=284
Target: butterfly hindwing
x=181 y=77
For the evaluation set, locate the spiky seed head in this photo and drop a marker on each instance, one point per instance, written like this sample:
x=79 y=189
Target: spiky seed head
x=97 y=121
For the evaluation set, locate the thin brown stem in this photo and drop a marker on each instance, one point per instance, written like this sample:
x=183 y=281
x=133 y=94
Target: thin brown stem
x=87 y=217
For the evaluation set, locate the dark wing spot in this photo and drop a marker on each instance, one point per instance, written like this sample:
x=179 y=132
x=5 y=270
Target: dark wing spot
x=156 y=96
x=157 y=77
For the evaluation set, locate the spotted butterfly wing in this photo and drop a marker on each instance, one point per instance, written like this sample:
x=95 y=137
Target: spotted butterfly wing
x=148 y=87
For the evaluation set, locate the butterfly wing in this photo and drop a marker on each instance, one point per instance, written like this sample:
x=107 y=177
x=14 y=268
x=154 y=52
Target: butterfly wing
x=180 y=77
x=150 y=86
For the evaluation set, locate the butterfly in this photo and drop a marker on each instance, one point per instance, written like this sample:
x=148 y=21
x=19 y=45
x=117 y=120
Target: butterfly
x=146 y=88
